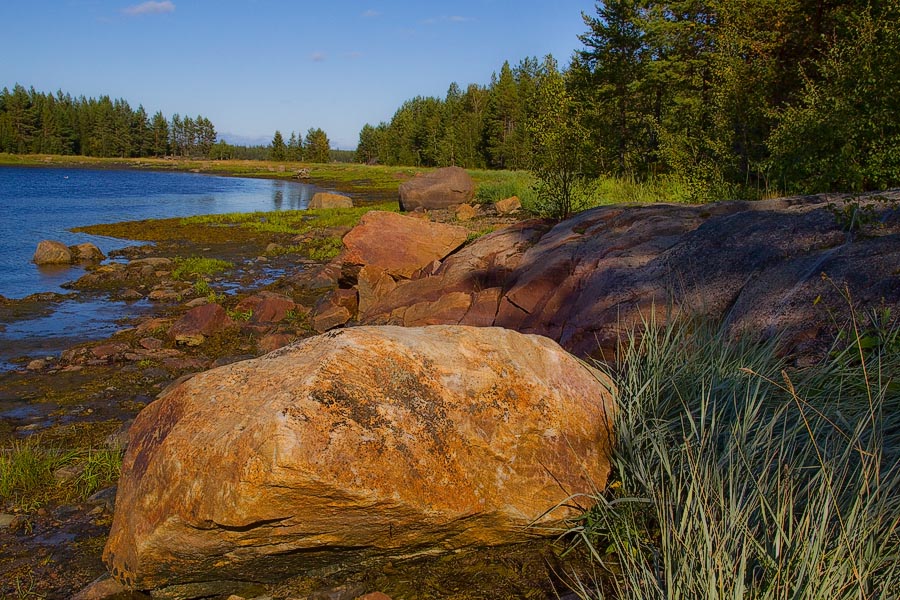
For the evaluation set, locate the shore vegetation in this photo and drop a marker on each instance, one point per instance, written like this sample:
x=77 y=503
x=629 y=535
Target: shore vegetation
x=738 y=477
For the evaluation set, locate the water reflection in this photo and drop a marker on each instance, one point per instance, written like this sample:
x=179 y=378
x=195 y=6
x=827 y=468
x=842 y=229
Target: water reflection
x=297 y=195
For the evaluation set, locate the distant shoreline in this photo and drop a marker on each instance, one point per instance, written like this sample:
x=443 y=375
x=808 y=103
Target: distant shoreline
x=352 y=178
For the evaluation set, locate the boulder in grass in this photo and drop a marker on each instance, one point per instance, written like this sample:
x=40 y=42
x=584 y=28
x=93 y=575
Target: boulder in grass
x=509 y=205
x=441 y=188
x=329 y=200
x=367 y=444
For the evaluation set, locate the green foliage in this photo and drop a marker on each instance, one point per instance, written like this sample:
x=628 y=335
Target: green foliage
x=202 y=287
x=505 y=184
x=736 y=479
x=323 y=249
x=291 y=221
x=197 y=265
x=278 y=150
x=30 y=473
x=240 y=315
x=316 y=147
x=734 y=99
x=35 y=122
x=558 y=142
x=844 y=131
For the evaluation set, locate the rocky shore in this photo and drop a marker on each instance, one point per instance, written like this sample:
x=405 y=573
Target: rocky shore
x=394 y=397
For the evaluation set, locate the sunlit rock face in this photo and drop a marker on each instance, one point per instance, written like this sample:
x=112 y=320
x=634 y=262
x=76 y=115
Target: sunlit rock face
x=360 y=444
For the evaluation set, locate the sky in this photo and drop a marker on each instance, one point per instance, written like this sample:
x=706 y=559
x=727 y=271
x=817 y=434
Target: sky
x=254 y=66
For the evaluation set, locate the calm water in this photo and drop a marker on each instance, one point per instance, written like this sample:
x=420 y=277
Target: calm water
x=38 y=204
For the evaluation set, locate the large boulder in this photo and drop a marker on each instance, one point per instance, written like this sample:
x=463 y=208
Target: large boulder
x=441 y=188
x=329 y=200
x=366 y=444
x=400 y=245
x=51 y=252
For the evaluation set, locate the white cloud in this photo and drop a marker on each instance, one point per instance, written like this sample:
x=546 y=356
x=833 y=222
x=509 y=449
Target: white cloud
x=459 y=19
x=371 y=14
x=353 y=55
x=150 y=8
x=318 y=57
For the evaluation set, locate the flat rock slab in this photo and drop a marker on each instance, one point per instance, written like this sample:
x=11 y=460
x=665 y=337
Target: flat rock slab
x=369 y=443
x=400 y=245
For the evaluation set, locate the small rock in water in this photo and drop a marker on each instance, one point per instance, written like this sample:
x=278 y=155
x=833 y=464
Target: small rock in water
x=51 y=252
x=36 y=365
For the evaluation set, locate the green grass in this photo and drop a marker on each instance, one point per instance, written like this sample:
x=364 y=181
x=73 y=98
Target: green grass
x=290 y=221
x=494 y=186
x=28 y=471
x=735 y=477
x=197 y=266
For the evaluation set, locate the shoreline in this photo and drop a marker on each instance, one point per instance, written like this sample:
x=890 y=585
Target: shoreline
x=86 y=398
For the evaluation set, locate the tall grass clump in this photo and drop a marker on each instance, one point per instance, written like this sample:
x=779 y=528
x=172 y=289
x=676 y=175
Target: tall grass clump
x=736 y=478
x=33 y=474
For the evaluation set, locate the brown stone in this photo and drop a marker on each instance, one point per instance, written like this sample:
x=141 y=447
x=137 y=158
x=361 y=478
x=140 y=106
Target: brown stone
x=441 y=188
x=86 y=252
x=484 y=308
x=192 y=328
x=154 y=262
x=329 y=317
x=449 y=309
x=466 y=212
x=373 y=283
x=400 y=245
x=267 y=307
x=109 y=351
x=107 y=588
x=348 y=298
x=51 y=252
x=150 y=343
x=363 y=444
x=273 y=341
x=153 y=325
x=328 y=200
x=508 y=206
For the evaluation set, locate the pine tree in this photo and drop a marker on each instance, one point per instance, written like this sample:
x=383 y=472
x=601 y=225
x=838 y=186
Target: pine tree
x=316 y=147
x=277 y=150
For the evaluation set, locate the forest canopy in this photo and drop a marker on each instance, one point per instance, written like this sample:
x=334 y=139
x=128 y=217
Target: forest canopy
x=733 y=98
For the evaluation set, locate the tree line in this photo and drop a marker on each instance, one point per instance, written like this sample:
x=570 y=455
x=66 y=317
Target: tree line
x=732 y=97
x=315 y=147
x=42 y=123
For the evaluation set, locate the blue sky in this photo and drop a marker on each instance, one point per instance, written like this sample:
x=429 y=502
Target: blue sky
x=254 y=66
